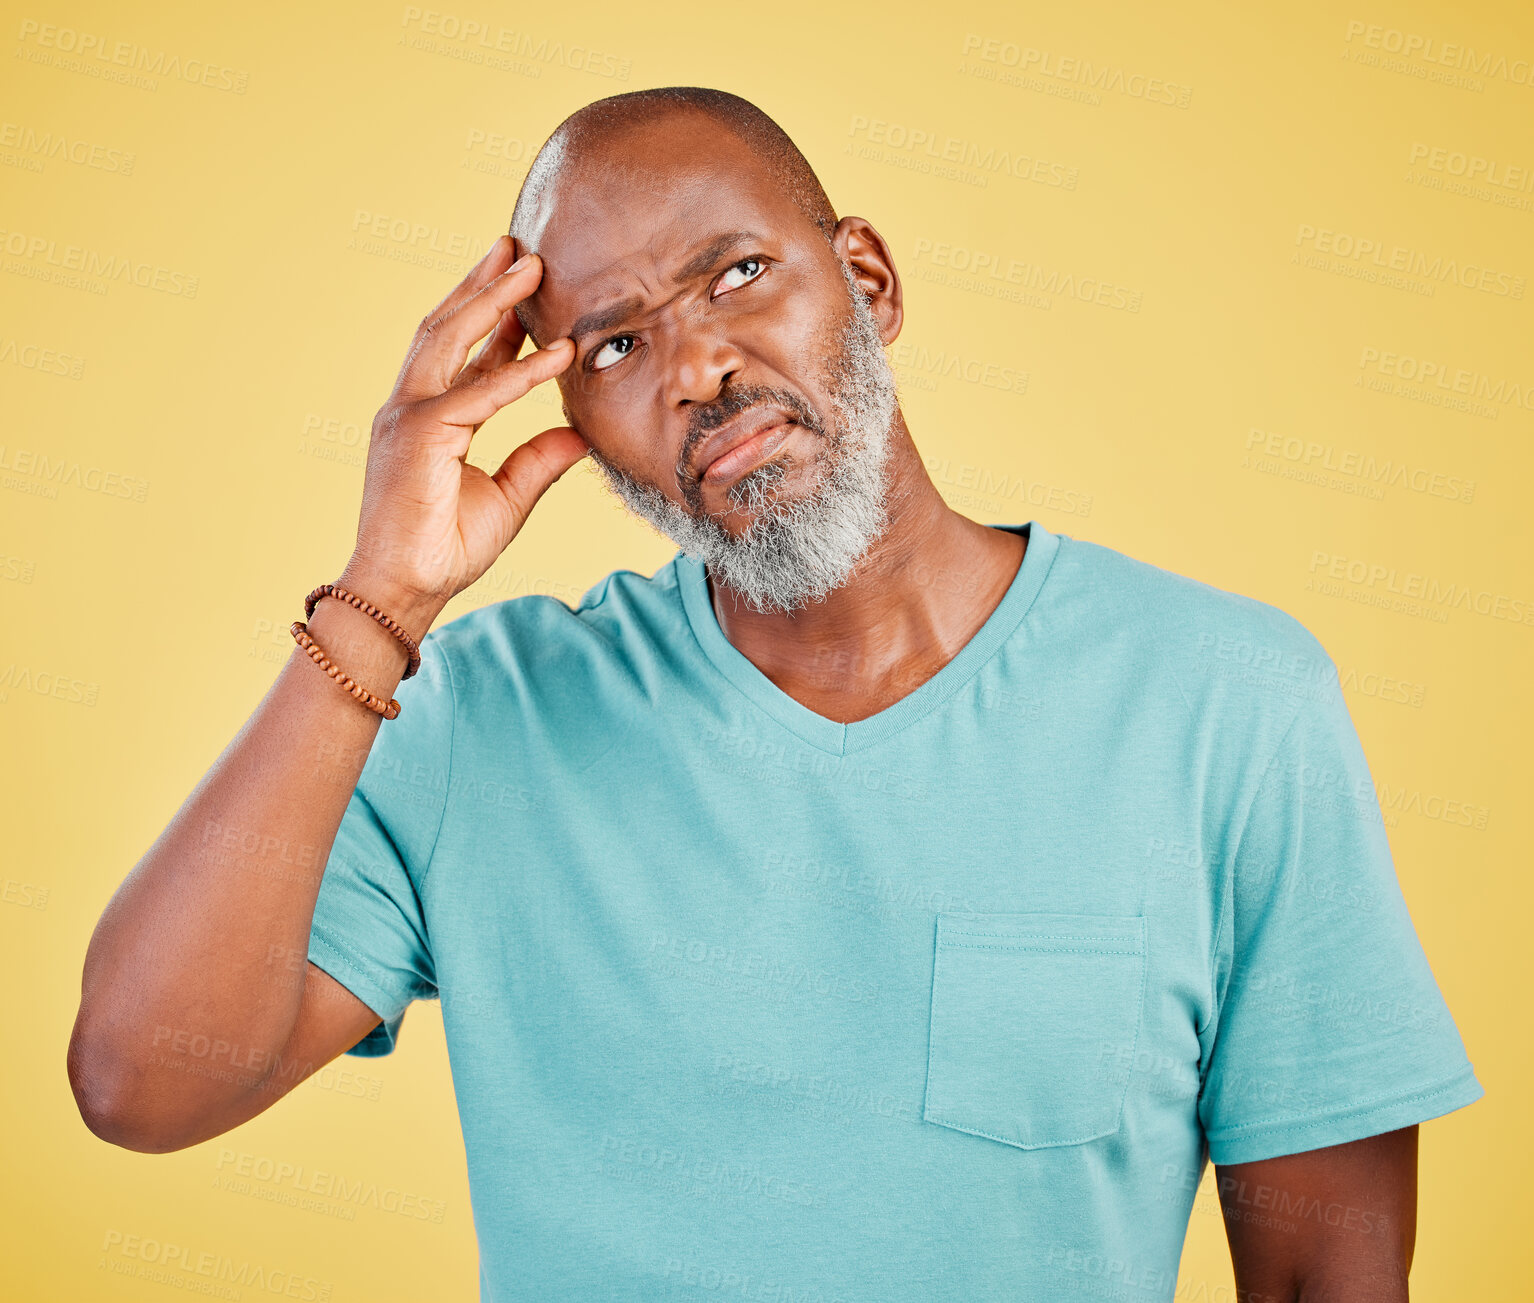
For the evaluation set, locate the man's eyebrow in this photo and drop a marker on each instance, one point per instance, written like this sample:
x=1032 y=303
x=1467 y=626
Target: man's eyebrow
x=704 y=260
x=603 y=318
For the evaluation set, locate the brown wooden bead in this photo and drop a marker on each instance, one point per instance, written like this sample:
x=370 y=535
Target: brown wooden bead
x=367 y=608
x=389 y=709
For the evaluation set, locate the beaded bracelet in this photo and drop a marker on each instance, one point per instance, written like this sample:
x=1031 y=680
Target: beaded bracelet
x=388 y=710
x=334 y=590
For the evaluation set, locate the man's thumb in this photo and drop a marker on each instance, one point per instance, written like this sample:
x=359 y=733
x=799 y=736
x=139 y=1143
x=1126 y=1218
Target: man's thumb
x=533 y=466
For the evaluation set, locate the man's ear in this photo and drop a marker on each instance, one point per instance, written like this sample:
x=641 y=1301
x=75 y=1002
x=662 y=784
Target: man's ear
x=863 y=249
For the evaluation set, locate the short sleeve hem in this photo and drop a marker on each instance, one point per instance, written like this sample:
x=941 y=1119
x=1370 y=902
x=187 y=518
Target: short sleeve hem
x=324 y=954
x=1248 y=1144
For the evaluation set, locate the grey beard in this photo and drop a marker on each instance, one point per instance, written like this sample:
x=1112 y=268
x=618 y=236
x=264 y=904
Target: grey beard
x=797 y=550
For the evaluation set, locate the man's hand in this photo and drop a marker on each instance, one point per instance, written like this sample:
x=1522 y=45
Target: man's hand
x=431 y=523
x=1333 y=1225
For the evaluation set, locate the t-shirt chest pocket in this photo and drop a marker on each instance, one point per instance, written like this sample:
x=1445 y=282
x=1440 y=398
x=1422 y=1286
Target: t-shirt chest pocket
x=1029 y=1012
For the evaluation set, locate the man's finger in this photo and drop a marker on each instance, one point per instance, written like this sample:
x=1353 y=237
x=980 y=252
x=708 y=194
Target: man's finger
x=502 y=346
x=442 y=345
x=496 y=260
x=500 y=256
x=480 y=396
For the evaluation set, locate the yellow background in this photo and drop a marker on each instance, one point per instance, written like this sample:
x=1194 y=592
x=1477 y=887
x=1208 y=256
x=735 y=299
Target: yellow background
x=210 y=452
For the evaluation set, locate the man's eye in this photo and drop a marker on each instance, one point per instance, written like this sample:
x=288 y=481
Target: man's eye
x=614 y=350
x=746 y=270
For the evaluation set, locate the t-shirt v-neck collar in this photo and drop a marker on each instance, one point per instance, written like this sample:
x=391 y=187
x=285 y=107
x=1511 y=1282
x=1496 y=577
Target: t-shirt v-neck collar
x=829 y=734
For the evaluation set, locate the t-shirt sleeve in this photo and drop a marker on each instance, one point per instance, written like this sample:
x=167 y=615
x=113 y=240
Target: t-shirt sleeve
x=369 y=930
x=1330 y=1025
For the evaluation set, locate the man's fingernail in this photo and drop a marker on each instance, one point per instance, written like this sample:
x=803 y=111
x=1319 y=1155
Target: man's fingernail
x=520 y=263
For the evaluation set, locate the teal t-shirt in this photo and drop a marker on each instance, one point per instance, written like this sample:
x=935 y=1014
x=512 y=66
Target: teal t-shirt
x=952 y=1002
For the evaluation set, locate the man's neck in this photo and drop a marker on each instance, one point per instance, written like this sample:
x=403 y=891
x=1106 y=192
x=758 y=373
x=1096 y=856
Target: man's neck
x=918 y=596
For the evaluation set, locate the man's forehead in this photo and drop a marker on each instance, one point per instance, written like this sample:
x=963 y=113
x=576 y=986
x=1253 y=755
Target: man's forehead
x=605 y=232
x=613 y=227
x=640 y=168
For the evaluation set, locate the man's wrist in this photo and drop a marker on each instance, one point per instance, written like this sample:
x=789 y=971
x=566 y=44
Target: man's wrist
x=414 y=612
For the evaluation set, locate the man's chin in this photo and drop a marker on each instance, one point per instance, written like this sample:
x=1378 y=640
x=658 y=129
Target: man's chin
x=788 y=533
x=774 y=486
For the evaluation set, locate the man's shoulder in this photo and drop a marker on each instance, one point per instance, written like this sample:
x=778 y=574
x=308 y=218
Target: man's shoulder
x=560 y=626
x=1205 y=634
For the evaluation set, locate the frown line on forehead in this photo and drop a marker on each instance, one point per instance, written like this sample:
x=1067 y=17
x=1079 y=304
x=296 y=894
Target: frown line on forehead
x=698 y=264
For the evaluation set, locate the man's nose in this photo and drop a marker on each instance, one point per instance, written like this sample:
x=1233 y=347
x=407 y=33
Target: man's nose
x=700 y=363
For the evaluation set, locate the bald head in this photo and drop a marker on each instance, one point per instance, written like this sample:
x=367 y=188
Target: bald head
x=611 y=133
x=600 y=126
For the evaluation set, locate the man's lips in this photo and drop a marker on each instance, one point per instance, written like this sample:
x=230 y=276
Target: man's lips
x=743 y=456
x=740 y=443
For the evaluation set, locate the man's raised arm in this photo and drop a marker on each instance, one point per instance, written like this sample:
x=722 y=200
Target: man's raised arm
x=205 y=942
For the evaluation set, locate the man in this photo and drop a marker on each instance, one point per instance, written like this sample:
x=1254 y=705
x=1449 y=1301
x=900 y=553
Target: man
x=870 y=904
